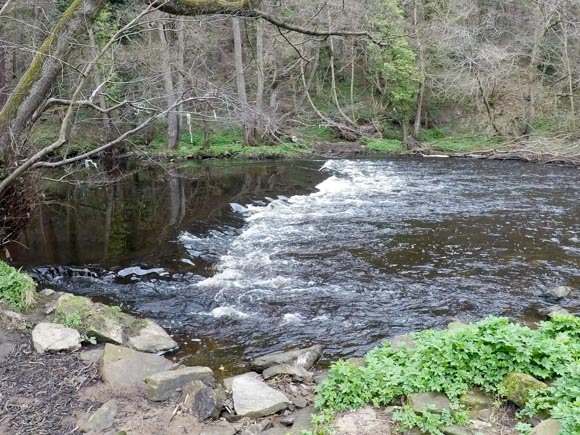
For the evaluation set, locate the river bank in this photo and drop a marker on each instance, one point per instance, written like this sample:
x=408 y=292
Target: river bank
x=98 y=387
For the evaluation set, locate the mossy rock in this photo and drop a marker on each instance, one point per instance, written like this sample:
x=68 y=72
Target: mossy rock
x=516 y=387
x=68 y=304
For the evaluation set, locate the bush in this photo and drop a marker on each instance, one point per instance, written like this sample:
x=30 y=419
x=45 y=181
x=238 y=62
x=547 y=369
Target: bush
x=17 y=289
x=453 y=361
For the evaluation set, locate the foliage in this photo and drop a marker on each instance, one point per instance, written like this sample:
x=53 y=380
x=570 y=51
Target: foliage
x=17 y=289
x=72 y=320
x=452 y=361
x=385 y=145
x=429 y=421
x=394 y=66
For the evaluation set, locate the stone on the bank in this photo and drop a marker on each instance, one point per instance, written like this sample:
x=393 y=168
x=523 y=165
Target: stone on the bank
x=547 y=427
x=456 y=326
x=298 y=374
x=434 y=402
x=365 y=421
x=101 y=419
x=229 y=382
x=219 y=428
x=105 y=329
x=152 y=338
x=254 y=398
x=71 y=304
x=53 y=337
x=121 y=366
x=356 y=362
x=476 y=402
x=91 y=356
x=304 y=358
x=399 y=342
x=559 y=292
x=46 y=292
x=204 y=402
x=302 y=422
x=555 y=309
x=168 y=385
x=517 y=386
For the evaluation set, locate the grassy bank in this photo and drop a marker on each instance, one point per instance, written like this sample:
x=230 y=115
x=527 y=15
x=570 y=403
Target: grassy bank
x=456 y=360
x=17 y=289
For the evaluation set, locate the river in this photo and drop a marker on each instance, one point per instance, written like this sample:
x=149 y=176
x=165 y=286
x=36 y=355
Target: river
x=238 y=259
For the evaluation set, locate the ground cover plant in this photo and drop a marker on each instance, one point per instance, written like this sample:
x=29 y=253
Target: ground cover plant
x=17 y=289
x=453 y=361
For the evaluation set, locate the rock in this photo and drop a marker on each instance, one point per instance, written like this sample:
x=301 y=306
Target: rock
x=47 y=292
x=436 y=402
x=50 y=307
x=553 y=310
x=53 y=337
x=91 y=356
x=365 y=421
x=152 y=338
x=287 y=421
x=559 y=292
x=320 y=376
x=71 y=304
x=257 y=428
x=254 y=398
x=105 y=329
x=121 y=366
x=228 y=382
x=167 y=385
x=101 y=419
x=476 y=402
x=456 y=430
x=517 y=386
x=547 y=427
x=302 y=423
x=298 y=374
x=304 y=358
x=399 y=342
x=204 y=402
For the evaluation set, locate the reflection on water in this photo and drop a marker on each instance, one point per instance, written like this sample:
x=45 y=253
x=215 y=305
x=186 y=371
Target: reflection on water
x=250 y=258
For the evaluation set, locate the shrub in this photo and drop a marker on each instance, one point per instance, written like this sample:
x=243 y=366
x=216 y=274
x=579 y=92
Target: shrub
x=17 y=289
x=452 y=361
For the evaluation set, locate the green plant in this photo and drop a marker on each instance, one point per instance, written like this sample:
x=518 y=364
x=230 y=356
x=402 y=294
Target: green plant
x=72 y=320
x=452 y=361
x=17 y=289
x=429 y=421
x=88 y=339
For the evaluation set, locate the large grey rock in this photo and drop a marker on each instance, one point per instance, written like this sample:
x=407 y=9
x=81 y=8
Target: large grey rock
x=204 y=402
x=121 y=366
x=477 y=403
x=101 y=419
x=228 y=382
x=559 y=292
x=91 y=356
x=254 y=398
x=304 y=358
x=298 y=374
x=436 y=402
x=46 y=292
x=167 y=385
x=517 y=386
x=105 y=329
x=547 y=427
x=53 y=337
x=399 y=342
x=553 y=310
x=456 y=430
x=302 y=423
x=365 y=421
x=152 y=338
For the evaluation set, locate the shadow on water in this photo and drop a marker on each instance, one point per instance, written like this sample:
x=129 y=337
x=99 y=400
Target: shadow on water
x=345 y=256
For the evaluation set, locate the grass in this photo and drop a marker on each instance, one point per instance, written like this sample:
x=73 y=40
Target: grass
x=453 y=361
x=393 y=146
x=17 y=289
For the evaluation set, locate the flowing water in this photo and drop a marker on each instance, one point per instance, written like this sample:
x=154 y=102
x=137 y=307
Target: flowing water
x=241 y=259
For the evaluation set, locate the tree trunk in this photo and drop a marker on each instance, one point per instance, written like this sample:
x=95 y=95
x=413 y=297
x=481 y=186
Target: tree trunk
x=249 y=136
x=532 y=75
x=3 y=79
x=260 y=79
x=173 y=127
x=36 y=82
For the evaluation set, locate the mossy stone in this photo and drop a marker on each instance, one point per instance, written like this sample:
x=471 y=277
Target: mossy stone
x=517 y=386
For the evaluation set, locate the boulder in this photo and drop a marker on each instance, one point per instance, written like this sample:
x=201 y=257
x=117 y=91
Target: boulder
x=254 y=398
x=101 y=419
x=301 y=423
x=457 y=430
x=476 y=402
x=121 y=366
x=298 y=374
x=356 y=362
x=257 y=428
x=71 y=304
x=228 y=382
x=435 y=402
x=399 y=342
x=547 y=427
x=152 y=338
x=168 y=385
x=105 y=329
x=365 y=421
x=456 y=326
x=46 y=292
x=53 y=337
x=559 y=292
x=91 y=356
x=304 y=358
x=553 y=310
x=517 y=386
x=204 y=402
